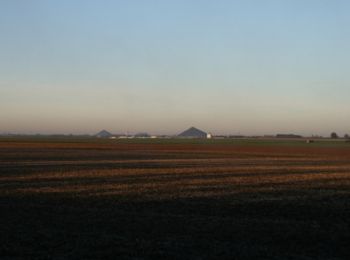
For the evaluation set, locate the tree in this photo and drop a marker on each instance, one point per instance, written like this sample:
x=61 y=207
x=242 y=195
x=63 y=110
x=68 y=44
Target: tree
x=334 y=135
x=346 y=136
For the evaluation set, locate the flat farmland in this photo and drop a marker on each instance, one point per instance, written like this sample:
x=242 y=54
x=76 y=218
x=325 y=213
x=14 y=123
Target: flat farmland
x=174 y=199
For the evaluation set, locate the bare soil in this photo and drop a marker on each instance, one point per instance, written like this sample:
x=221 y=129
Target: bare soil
x=77 y=200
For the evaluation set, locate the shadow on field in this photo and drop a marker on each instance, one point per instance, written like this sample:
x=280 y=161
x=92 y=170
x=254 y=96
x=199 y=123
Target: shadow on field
x=61 y=227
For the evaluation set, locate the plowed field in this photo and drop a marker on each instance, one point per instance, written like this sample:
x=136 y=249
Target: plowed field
x=89 y=200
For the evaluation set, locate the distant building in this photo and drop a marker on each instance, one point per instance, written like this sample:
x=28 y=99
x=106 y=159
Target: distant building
x=142 y=135
x=288 y=136
x=209 y=136
x=193 y=132
x=123 y=137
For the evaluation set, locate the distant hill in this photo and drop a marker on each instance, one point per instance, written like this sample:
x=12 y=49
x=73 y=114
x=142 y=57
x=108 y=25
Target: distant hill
x=103 y=134
x=193 y=132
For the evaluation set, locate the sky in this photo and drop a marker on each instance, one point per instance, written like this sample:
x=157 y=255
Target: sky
x=227 y=67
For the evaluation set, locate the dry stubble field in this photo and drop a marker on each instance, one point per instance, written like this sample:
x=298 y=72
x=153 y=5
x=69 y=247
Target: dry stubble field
x=144 y=200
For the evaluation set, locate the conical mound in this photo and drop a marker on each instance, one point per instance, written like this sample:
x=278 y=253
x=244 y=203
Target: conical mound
x=193 y=132
x=104 y=133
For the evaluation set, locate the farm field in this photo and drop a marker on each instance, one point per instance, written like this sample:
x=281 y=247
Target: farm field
x=173 y=199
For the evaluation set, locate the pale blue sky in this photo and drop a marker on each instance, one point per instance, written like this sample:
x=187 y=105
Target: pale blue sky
x=249 y=67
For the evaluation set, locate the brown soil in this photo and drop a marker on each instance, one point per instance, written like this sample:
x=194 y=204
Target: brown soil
x=177 y=201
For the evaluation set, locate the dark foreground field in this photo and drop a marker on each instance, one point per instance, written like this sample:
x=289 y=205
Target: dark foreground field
x=97 y=200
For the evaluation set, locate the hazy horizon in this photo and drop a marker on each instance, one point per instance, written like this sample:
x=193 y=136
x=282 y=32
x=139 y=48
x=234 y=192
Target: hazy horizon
x=229 y=67
x=159 y=133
